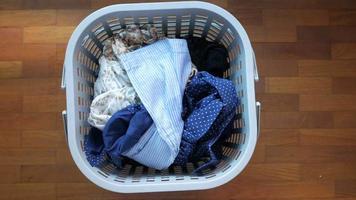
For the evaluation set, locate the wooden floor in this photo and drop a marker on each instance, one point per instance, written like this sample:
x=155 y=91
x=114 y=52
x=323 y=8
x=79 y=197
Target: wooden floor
x=306 y=52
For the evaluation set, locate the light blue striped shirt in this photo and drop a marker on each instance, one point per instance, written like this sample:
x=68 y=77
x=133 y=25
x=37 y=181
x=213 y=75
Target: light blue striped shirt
x=159 y=73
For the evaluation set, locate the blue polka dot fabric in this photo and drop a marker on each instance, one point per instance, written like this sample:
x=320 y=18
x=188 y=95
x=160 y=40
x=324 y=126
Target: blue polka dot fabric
x=209 y=109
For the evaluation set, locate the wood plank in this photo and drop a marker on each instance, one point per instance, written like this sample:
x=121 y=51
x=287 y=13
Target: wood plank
x=276 y=68
x=71 y=17
x=11 y=52
x=275 y=51
x=276 y=190
x=53 y=4
x=328 y=171
x=41 y=121
x=41 y=69
x=9 y=174
x=344 y=85
x=327 y=68
x=313 y=34
x=292 y=120
x=342 y=17
x=280 y=33
x=345 y=119
x=327 y=103
x=278 y=17
x=10 y=103
x=10 y=4
x=256 y=33
x=27 y=17
x=271 y=172
x=248 y=16
x=31 y=121
x=266 y=4
x=28 y=191
x=296 y=85
x=82 y=191
x=343 y=50
x=10 y=69
x=60 y=52
x=27 y=156
x=345 y=188
x=325 y=4
x=10 y=35
x=53 y=174
x=35 y=86
x=48 y=34
x=39 y=52
x=44 y=103
x=279 y=137
x=10 y=139
x=312 y=17
x=313 y=50
x=43 y=139
x=343 y=33
x=259 y=154
x=279 y=102
x=260 y=86
x=328 y=137
x=63 y=157
x=310 y=154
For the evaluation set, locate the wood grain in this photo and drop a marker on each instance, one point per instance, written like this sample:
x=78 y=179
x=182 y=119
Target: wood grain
x=328 y=137
x=327 y=68
x=306 y=56
x=327 y=103
x=296 y=85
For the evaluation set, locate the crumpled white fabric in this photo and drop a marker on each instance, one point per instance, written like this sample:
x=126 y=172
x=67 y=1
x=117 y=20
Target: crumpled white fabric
x=108 y=103
x=111 y=76
x=113 y=90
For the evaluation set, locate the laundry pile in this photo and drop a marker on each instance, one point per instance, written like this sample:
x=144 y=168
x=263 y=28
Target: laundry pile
x=160 y=101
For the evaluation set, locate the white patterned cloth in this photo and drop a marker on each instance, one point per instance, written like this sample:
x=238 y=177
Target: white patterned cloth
x=108 y=103
x=113 y=90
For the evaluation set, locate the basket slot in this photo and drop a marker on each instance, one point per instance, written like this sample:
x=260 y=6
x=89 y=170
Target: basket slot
x=157 y=22
x=129 y=20
x=219 y=26
x=143 y=20
x=171 y=26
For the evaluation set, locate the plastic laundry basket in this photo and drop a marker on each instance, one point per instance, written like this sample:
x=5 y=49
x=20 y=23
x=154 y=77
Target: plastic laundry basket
x=174 y=19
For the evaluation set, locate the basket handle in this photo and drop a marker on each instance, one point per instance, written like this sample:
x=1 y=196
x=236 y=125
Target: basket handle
x=258 y=117
x=255 y=70
x=64 y=117
x=63 y=82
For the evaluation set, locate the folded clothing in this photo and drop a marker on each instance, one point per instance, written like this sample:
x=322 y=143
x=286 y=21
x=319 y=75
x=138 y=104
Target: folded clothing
x=208 y=56
x=209 y=107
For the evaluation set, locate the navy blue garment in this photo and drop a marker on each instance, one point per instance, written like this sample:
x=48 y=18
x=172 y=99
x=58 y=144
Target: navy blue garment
x=94 y=146
x=121 y=132
x=209 y=107
x=208 y=56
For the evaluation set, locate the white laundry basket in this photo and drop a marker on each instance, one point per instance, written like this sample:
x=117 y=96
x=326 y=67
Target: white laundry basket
x=174 y=19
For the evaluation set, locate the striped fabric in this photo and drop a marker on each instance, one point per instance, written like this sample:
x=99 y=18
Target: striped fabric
x=158 y=73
